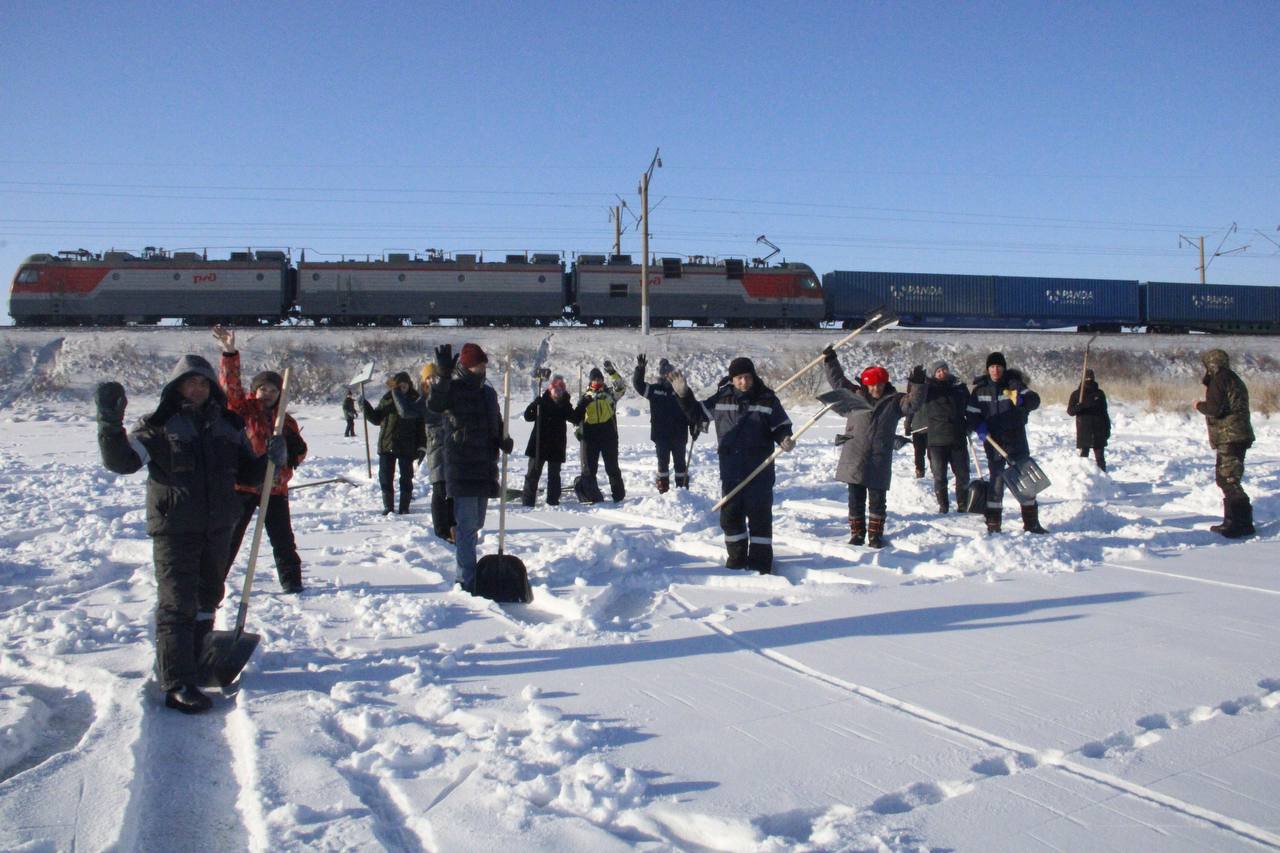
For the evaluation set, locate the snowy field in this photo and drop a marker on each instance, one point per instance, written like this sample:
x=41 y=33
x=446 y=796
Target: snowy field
x=1112 y=686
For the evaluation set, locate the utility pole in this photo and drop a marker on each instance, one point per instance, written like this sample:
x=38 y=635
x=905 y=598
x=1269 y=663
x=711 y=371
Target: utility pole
x=616 y=215
x=1197 y=241
x=1204 y=267
x=655 y=163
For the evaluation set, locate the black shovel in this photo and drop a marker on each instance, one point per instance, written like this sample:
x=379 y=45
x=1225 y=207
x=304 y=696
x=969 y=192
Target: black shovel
x=225 y=653
x=1025 y=479
x=502 y=577
x=976 y=499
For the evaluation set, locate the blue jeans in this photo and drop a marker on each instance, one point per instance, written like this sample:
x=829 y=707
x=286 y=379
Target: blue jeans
x=469 y=514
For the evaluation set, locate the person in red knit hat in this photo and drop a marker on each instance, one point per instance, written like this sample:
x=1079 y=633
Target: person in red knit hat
x=258 y=409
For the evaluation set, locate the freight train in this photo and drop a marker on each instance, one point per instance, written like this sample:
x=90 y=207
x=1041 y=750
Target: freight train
x=266 y=287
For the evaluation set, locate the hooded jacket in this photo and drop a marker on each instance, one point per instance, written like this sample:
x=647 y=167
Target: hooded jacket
x=1093 y=423
x=748 y=425
x=401 y=433
x=549 y=435
x=942 y=411
x=472 y=433
x=1226 y=403
x=991 y=402
x=195 y=456
x=666 y=419
x=597 y=409
x=866 y=445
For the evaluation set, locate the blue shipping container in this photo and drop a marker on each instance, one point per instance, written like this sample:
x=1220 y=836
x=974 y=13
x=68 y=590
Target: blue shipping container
x=918 y=298
x=1050 y=302
x=1212 y=306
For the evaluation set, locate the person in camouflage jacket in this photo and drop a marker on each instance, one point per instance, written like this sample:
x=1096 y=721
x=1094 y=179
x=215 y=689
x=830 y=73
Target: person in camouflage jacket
x=1226 y=412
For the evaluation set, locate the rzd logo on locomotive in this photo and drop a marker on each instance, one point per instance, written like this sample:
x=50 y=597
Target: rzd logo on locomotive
x=1213 y=301
x=201 y=278
x=1069 y=297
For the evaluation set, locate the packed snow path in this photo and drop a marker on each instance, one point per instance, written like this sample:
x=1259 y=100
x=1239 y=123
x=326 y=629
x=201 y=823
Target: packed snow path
x=1111 y=686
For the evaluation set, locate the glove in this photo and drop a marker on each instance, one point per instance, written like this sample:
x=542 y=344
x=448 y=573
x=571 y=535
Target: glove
x=981 y=432
x=642 y=361
x=111 y=401
x=676 y=378
x=277 y=450
x=421 y=455
x=507 y=444
x=1014 y=395
x=787 y=444
x=608 y=367
x=829 y=353
x=297 y=448
x=445 y=359
x=917 y=376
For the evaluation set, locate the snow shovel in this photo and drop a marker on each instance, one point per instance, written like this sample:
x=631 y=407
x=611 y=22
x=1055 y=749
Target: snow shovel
x=877 y=321
x=976 y=499
x=226 y=652
x=314 y=483
x=358 y=381
x=502 y=577
x=1025 y=479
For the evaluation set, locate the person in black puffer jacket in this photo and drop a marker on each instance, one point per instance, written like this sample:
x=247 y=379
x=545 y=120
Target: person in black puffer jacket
x=943 y=415
x=401 y=439
x=195 y=451
x=550 y=414
x=668 y=427
x=474 y=436
x=999 y=406
x=1088 y=405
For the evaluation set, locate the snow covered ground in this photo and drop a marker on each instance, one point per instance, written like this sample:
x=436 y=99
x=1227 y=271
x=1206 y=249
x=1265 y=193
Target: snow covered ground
x=1112 y=686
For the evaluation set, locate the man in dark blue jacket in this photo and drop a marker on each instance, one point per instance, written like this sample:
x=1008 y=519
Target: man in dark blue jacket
x=999 y=405
x=668 y=427
x=749 y=421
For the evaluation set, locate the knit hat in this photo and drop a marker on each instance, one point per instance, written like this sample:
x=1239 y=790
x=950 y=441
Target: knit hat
x=429 y=371
x=996 y=358
x=403 y=376
x=1088 y=374
x=938 y=365
x=557 y=384
x=472 y=355
x=873 y=375
x=664 y=367
x=741 y=365
x=266 y=377
x=1215 y=358
x=595 y=375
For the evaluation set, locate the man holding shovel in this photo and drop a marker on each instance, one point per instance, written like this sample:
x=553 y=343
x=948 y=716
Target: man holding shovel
x=749 y=421
x=999 y=406
x=196 y=451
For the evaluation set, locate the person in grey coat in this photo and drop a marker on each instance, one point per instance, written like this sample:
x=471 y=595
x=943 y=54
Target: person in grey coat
x=866 y=445
x=431 y=456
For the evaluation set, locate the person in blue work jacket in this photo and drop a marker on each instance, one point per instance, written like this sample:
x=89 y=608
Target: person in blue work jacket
x=668 y=427
x=999 y=406
x=749 y=421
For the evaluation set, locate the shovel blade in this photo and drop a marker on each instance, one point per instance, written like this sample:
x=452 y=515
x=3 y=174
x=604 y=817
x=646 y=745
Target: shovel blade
x=1025 y=479
x=976 y=499
x=503 y=578
x=225 y=655
x=843 y=401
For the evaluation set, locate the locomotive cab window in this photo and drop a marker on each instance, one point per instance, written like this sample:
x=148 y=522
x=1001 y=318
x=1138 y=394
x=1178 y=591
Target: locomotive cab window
x=28 y=276
x=617 y=291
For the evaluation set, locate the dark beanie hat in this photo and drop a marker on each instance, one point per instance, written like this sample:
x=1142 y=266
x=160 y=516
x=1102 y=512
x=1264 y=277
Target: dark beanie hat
x=403 y=376
x=664 y=367
x=741 y=365
x=1088 y=374
x=595 y=375
x=266 y=377
x=996 y=358
x=472 y=355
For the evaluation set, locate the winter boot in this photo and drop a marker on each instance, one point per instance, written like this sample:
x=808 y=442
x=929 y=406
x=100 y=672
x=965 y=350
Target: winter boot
x=1241 y=520
x=404 y=503
x=919 y=473
x=188 y=699
x=941 y=495
x=664 y=485
x=737 y=554
x=617 y=490
x=1226 y=517
x=875 y=532
x=529 y=494
x=760 y=558
x=857 y=530
x=993 y=516
x=1031 y=519
x=682 y=480
x=387 y=500
x=290 y=578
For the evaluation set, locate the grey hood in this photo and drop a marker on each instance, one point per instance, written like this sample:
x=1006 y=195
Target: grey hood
x=196 y=364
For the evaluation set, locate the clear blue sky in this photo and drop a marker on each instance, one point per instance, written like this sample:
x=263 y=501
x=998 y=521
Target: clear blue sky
x=1019 y=138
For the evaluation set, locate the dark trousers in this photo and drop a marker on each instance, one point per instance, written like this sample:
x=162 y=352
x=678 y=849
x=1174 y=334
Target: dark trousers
x=747 y=521
x=279 y=531
x=442 y=520
x=956 y=458
x=675 y=455
x=1229 y=471
x=387 y=464
x=995 y=492
x=608 y=448
x=189 y=584
x=529 y=495
x=919 y=445
x=1099 y=456
x=863 y=500
x=351 y=428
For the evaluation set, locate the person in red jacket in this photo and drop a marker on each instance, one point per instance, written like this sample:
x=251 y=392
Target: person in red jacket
x=259 y=413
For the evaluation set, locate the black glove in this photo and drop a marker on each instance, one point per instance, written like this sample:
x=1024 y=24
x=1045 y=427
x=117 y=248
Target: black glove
x=917 y=376
x=642 y=361
x=608 y=367
x=111 y=401
x=277 y=450
x=445 y=359
x=421 y=455
x=297 y=448
x=507 y=445
x=829 y=353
